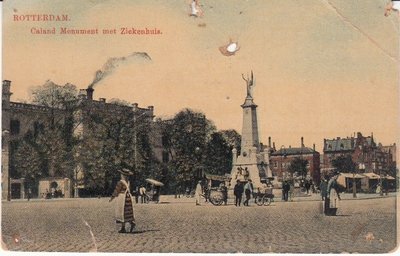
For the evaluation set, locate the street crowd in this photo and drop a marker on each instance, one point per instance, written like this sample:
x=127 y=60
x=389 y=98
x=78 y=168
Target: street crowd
x=124 y=210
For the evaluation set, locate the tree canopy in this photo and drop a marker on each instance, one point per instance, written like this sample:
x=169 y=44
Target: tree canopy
x=344 y=164
x=196 y=148
x=299 y=166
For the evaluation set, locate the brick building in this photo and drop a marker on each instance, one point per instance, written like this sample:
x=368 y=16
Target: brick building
x=281 y=159
x=368 y=155
x=20 y=119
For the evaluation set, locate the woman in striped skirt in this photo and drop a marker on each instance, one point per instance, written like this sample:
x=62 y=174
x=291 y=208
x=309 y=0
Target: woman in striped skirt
x=124 y=202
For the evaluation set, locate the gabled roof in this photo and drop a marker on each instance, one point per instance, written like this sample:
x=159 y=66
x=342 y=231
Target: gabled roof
x=339 y=145
x=293 y=151
x=348 y=144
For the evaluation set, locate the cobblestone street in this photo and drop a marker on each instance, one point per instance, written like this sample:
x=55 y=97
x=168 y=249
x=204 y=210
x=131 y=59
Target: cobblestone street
x=177 y=225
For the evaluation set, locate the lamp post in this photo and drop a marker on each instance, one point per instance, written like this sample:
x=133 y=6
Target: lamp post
x=354 y=185
x=361 y=166
x=135 y=118
x=199 y=168
x=282 y=154
x=376 y=165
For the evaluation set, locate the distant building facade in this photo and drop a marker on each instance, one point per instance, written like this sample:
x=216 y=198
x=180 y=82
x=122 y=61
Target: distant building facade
x=369 y=156
x=281 y=159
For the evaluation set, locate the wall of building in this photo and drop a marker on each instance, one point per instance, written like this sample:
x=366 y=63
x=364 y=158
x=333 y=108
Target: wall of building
x=20 y=118
x=364 y=151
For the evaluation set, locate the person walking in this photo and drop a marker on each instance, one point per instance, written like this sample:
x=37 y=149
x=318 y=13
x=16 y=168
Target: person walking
x=291 y=190
x=29 y=194
x=248 y=191
x=124 y=204
x=323 y=186
x=224 y=191
x=143 y=196
x=307 y=185
x=238 y=192
x=285 y=190
x=198 y=193
x=137 y=193
x=332 y=196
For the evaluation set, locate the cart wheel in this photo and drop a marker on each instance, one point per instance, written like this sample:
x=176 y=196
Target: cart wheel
x=216 y=199
x=259 y=201
x=267 y=201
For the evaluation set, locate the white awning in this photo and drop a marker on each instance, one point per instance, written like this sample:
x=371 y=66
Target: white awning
x=388 y=177
x=350 y=175
x=371 y=175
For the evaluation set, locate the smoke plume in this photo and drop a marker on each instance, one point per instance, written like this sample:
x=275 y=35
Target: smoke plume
x=113 y=63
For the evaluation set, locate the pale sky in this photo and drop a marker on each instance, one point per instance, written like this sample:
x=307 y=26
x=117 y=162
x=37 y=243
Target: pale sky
x=316 y=75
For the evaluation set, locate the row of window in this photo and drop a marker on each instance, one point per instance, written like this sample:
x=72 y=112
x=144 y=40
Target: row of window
x=15 y=127
x=284 y=164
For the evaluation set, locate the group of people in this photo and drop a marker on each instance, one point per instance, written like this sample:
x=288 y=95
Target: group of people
x=124 y=212
x=142 y=193
x=248 y=190
x=238 y=192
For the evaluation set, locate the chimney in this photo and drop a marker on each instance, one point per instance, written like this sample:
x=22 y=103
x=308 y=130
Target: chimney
x=269 y=141
x=6 y=86
x=6 y=94
x=135 y=106
x=151 y=110
x=302 y=142
x=313 y=146
x=273 y=145
x=89 y=92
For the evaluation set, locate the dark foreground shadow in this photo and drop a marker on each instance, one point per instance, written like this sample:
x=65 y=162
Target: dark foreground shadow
x=143 y=231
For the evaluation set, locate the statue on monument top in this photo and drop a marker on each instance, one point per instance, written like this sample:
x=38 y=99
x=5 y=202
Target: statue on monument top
x=249 y=84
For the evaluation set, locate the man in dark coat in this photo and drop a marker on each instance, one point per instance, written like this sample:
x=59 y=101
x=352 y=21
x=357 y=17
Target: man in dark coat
x=286 y=188
x=238 y=192
x=307 y=185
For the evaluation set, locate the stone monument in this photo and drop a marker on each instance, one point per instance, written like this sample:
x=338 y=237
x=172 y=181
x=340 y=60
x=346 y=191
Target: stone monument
x=253 y=161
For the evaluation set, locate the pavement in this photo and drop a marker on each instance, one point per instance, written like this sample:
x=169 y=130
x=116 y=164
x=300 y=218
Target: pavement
x=177 y=225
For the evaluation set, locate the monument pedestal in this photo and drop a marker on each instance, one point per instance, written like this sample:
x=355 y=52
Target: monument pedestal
x=251 y=165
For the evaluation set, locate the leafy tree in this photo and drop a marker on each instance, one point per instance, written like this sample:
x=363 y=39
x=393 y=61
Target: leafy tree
x=29 y=161
x=187 y=139
x=194 y=147
x=115 y=139
x=47 y=145
x=218 y=155
x=344 y=164
x=54 y=96
x=299 y=166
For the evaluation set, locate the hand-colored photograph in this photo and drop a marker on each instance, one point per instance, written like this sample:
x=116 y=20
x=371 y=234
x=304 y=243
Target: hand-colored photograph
x=200 y=126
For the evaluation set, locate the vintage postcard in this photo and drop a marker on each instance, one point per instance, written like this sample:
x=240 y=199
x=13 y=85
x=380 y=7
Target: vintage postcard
x=200 y=126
